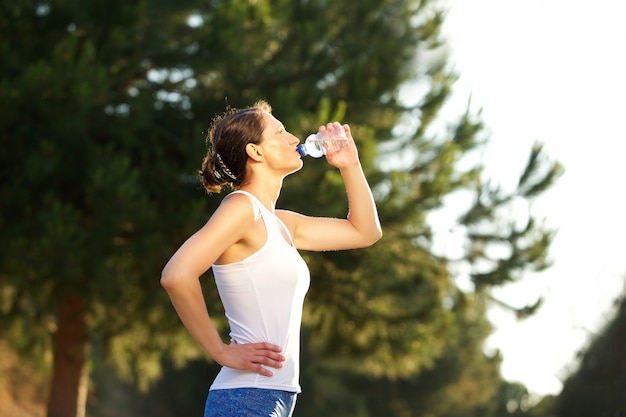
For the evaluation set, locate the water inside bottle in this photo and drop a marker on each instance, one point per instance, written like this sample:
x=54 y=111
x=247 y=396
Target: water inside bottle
x=317 y=145
x=330 y=145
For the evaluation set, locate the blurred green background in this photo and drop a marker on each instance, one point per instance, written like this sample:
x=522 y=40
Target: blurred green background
x=103 y=111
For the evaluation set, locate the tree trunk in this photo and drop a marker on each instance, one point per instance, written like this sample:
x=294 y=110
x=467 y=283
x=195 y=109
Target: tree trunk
x=68 y=392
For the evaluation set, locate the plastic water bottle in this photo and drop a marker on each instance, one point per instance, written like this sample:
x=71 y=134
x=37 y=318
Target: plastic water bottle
x=319 y=144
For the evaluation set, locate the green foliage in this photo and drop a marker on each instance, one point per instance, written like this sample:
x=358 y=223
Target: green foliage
x=91 y=171
x=525 y=244
x=598 y=386
x=104 y=105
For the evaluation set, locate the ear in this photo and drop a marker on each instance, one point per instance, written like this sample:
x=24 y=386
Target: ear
x=254 y=152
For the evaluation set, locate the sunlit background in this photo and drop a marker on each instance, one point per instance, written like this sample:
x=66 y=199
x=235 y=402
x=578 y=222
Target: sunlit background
x=552 y=71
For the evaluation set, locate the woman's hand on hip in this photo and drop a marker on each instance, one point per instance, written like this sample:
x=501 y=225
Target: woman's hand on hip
x=251 y=357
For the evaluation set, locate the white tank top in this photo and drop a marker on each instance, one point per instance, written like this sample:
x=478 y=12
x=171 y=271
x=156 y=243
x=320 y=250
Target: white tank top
x=263 y=297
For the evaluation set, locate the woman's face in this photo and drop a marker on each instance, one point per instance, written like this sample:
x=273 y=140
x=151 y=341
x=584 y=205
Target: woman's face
x=279 y=146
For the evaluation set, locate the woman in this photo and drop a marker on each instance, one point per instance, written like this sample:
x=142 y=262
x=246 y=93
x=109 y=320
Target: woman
x=252 y=248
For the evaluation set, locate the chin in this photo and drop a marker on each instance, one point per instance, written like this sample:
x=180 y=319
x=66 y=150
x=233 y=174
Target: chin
x=298 y=168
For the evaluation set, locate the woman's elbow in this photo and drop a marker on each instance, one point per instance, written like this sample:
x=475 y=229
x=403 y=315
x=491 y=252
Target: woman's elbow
x=372 y=237
x=165 y=281
x=168 y=278
x=377 y=236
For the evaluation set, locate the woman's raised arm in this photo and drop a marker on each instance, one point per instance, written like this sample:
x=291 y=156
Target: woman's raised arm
x=360 y=228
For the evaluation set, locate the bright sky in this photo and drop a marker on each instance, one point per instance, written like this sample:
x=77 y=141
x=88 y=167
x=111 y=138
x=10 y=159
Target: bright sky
x=553 y=71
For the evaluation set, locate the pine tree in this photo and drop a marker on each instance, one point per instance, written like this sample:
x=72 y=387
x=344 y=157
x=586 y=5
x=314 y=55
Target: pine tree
x=598 y=386
x=94 y=163
x=104 y=108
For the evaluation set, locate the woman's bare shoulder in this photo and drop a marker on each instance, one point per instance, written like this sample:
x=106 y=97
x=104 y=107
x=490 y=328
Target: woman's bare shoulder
x=238 y=204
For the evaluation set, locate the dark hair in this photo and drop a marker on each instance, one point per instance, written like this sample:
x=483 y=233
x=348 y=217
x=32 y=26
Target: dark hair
x=226 y=157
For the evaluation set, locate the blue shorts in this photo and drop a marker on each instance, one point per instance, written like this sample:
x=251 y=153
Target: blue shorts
x=249 y=402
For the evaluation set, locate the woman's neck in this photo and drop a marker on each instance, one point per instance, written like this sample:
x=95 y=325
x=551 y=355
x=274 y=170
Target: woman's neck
x=266 y=191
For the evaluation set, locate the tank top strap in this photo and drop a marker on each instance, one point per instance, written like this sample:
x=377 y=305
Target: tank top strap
x=273 y=223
